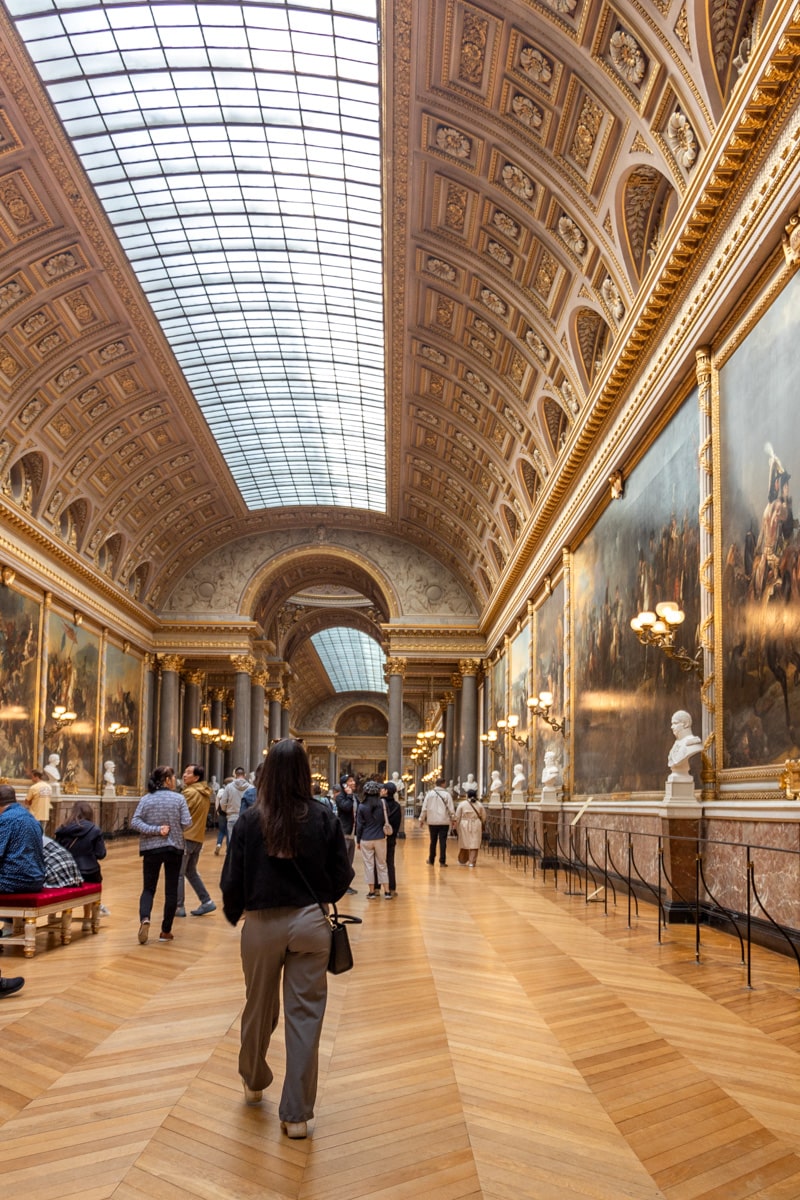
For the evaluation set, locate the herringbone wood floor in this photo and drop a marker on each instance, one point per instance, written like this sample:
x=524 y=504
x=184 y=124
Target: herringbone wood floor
x=498 y=1039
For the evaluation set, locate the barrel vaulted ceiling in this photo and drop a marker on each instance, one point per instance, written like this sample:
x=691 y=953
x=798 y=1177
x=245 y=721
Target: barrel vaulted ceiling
x=535 y=156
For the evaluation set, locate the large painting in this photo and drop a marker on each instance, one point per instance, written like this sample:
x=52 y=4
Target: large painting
x=123 y=705
x=761 y=545
x=643 y=549
x=19 y=657
x=548 y=674
x=520 y=672
x=72 y=680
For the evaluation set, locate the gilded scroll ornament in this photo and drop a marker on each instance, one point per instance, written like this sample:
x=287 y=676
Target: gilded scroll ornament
x=791 y=240
x=534 y=64
x=571 y=235
x=473 y=48
x=518 y=182
x=682 y=140
x=505 y=224
x=526 y=111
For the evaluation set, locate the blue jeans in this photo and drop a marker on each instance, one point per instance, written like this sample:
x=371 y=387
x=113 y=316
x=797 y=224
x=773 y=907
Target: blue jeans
x=222 y=831
x=191 y=853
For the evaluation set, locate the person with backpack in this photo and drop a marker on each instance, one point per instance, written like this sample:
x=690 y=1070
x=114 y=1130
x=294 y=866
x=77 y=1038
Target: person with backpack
x=438 y=814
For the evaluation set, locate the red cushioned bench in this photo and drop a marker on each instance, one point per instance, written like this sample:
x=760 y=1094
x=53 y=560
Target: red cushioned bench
x=25 y=909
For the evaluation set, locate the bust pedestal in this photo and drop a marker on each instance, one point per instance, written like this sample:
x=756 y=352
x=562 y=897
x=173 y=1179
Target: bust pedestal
x=551 y=795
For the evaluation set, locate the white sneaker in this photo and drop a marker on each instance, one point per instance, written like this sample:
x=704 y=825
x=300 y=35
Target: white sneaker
x=471 y=865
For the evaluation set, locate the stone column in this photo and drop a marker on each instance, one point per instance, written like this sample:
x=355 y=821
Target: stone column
x=258 y=736
x=395 y=672
x=190 y=748
x=243 y=665
x=449 y=765
x=468 y=733
x=704 y=380
x=218 y=698
x=333 y=779
x=274 y=695
x=171 y=667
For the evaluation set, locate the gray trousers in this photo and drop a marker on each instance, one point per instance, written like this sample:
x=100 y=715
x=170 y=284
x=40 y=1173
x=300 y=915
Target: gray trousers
x=191 y=853
x=293 y=943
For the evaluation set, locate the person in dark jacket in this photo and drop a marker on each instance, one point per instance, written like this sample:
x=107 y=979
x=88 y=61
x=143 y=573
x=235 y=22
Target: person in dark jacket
x=83 y=839
x=395 y=814
x=287 y=856
x=346 y=804
x=371 y=839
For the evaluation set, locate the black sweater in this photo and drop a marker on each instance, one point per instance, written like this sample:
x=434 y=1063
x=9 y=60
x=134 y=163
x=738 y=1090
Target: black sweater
x=85 y=843
x=252 y=879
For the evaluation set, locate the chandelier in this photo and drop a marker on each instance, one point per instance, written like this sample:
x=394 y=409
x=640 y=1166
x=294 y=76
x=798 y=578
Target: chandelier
x=62 y=717
x=206 y=733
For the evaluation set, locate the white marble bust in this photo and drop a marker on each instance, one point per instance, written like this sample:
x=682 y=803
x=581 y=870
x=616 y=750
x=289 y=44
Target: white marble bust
x=109 y=782
x=686 y=745
x=551 y=772
x=53 y=774
x=496 y=785
x=518 y=781
x=398 y=783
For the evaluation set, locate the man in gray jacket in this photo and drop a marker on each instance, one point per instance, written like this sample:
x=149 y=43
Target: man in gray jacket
x=231 y=801
x=438 y=814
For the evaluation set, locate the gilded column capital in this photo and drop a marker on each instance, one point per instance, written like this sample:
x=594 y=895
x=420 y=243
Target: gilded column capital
x=171 y=662
x=702 y=356
x=260 y=677
x=149 y=661
x=331 y=749
x=449 y=698
x=274 y=694
x=48 y=599
x=396 y=666
x=469 y=666
x=456 y=682
x=243 y=664
x=195 y=677
x=219 y=693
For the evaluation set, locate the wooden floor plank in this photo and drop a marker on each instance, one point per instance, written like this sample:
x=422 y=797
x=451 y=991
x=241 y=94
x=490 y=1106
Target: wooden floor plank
x=498 y=1039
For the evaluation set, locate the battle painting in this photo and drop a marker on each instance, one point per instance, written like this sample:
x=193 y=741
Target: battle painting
x=19 y=657
x=548 y=675
x=643 y=549
x=760 y=541
x=123 y=706
x=72 y=680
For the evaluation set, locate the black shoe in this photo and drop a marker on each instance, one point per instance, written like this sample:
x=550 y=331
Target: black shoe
x=430 y=862
x=351 y=892
x=442 y=864
x=9 y=986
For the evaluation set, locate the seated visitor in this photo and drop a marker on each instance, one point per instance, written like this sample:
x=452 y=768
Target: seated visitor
x=22 y=867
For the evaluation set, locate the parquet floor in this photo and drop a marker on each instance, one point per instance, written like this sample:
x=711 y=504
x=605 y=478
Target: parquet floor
x=497 y=1039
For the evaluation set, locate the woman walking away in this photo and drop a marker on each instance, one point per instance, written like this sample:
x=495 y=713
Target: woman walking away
x=286 y=853
x=85 y=843
x=161 y=817
x=470 y=818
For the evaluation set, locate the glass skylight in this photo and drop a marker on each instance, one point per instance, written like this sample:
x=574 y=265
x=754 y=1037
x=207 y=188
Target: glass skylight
x=354 y=661
x=235 y=148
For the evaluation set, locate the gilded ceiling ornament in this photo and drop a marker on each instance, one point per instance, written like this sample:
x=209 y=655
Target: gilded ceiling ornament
x=16 y=203
x=586 y=132
x=445 y=311
x=611 y=296
x=433 y=354
x=627 y=56
x=540 y=463
x=150 y=414
x=89 y=395
x=473 y=48
x=499 y=253
x=545 y=276
x=127 y=382
x=436 y=385
x=31 y=411
x=99 y=410
x=479 y=347
x=81 y=309
x=562 y=6
x=34 y=323
x=513 y=420
x=68 y=377
x=485 y=329
x=518 y=182
x=680 y=136
x=456 y=207
x=422 y=465
x=569 y=398
x=113 y=435
x=516 y=369
x=12 y=293
x=50 y=342
x=493 y=302
x=791 y=240
x=56 y=500
x=8 y=365
x=112 y=350
x=505 y=224
x=117 y=508
x=476 y=382
x=5 y=451
x=571 y=235
x=495 y=472
x=535 y=65
x=60 y=264
x=537 y=346
x=682 y=29
x=453 y=141
x=64 y=430
x=526 y=111
x=441 y=269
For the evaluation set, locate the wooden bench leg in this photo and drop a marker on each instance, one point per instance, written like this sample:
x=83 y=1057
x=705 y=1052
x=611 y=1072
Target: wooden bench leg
x=96 y=917
x=66 y=927
x=29 y=948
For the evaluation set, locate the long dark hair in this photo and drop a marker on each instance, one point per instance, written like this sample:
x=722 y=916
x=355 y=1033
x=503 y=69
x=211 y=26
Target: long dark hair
x=81 y=811
x=284 y=790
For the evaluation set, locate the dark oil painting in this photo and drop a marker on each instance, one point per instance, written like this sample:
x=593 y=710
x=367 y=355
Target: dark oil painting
x=643 y=549
x=123 y=705
x=19 y=657
x=520 y=671
x=760 y=460
x=72 y=680
x=548 y=675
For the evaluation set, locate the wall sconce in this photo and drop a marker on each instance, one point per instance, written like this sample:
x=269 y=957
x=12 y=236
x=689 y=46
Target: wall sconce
x=540 y=707
x=489 y=740
x=62 y=717
x=118 y=731
x=658 y=629
x=510 y=726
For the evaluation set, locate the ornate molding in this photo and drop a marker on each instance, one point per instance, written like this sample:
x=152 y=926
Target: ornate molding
x=396 y=666
x=171 y=662
x=469 y=666
x=243 y=664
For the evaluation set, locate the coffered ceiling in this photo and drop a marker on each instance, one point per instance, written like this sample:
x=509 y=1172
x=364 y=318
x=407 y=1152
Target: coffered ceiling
x=535 y=158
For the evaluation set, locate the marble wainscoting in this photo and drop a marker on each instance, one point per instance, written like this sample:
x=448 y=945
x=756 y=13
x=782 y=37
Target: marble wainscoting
x=775 y=854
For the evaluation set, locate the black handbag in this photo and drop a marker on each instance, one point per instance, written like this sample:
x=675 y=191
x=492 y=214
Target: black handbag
x=340 y=958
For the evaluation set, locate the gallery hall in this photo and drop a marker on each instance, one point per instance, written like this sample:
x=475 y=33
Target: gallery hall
x=417 y=384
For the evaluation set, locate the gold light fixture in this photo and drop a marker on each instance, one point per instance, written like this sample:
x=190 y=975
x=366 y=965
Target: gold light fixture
x=118 y=731
x=224 y=737
x=509 y=726
x=490 y=741
x=659 y=628
x=205 y=733
x=62 y=716
x=540 y=707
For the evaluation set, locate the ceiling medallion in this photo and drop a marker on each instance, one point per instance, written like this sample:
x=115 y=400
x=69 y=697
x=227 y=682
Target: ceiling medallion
x=681 y=139
x=627 y=57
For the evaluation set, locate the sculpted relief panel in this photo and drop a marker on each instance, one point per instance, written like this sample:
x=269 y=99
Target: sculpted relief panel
x=422 y=586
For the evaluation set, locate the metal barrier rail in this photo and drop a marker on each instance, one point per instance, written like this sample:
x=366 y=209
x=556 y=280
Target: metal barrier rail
x=577 y=853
